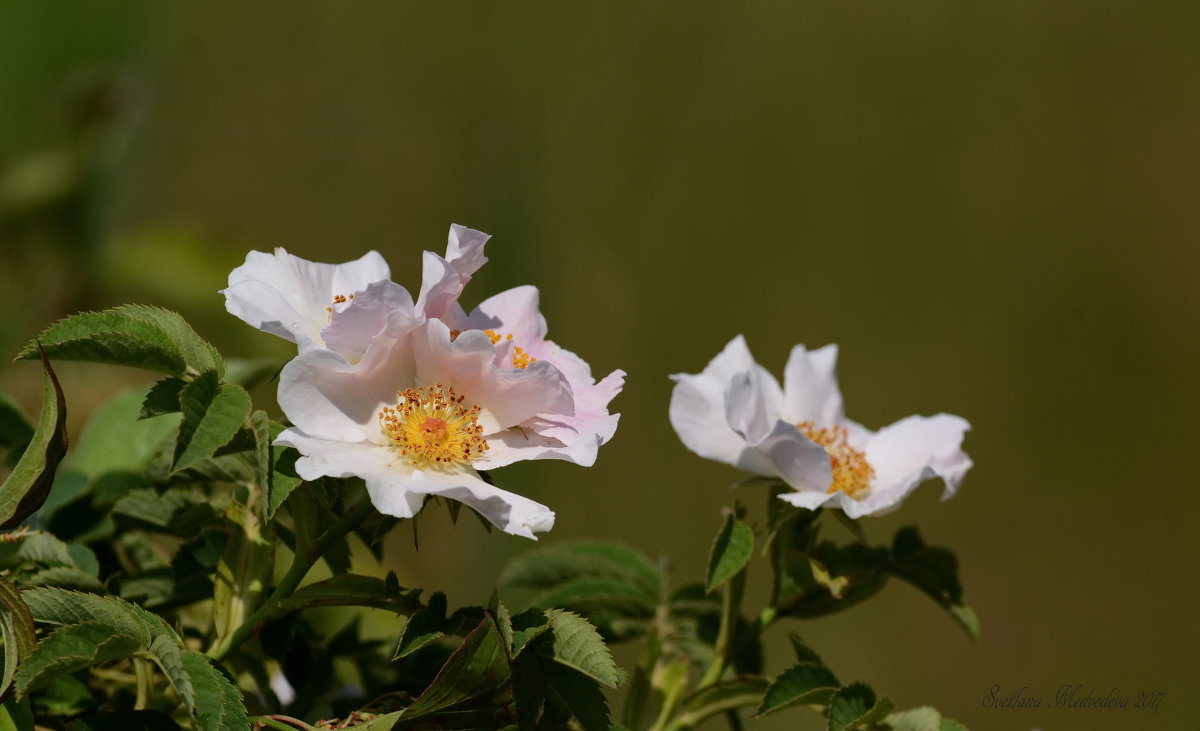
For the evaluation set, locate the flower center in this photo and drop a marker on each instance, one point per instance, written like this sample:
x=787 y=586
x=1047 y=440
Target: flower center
x=431 y=426
x=852 y=472
x=337 y=300
x=521 y=358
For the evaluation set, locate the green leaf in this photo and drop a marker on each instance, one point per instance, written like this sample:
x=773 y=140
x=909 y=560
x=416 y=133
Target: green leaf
x=850 y=706
x=162 y=398
x=598 y=596
x=949 y=724
x=63 y=607
x=218 y=702
x=212 y=414
x=721 y=697
x=16 y=623
x=115 y=441
x=730 y=553
x=382 y=723
x=16 y=716
x=576 y=644
x=66 y=577
x=65 y=695
x=131 y=335
x=478 y=666
x=26 y=487
x=550 y=567
x=925 y=718
x=934 y=571
x=804 y=653
x=73 y=648
x=803 y=683
x=126 y=721
x=424 y=626
x=181 y=511
x=354 y=590
x=527 y=627
x=281 y=463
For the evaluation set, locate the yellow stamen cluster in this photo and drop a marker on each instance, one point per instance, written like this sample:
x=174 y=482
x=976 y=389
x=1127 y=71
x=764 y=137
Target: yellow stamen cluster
x=521 y=357
x=852 y=472
x=432 y=428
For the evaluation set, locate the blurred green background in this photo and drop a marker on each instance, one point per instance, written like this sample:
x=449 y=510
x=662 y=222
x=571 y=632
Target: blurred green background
x=989 y=206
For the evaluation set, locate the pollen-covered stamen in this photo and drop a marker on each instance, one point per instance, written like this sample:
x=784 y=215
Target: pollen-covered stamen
x=338 y=299
x=852 y=472
x=431 y=426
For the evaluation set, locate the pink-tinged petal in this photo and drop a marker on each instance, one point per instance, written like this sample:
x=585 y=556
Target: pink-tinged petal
x=506 y=396
x=810 y=386
x=507 y=511
x=909 y=452
x=697 y=409
x=512 y=312
x=786 y=453
x=291 y=297
x=443 y=279
x=753 y=404
x=328 y=398
x=352 y=329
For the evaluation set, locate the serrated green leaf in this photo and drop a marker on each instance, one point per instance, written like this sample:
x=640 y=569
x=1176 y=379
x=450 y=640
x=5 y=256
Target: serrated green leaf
x=16 y=622
x=478 y=666
x=212 y=414
x=731 y=551
x=282 y=478
x=526 y=627
x=115 y=441
x=424 y=626
x=925 y=718
x=73 y=648
x=219 y=704
x=162 y=398
x=64 y=607
x=803 y=683
x=26 y=487
x=577 y=644
x=131 y=335
x=353 y=590
x=850 y=706
x=804 y=653
x=65 y=577
x=720 y=697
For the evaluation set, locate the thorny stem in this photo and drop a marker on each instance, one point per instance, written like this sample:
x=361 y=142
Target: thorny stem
x=301 y=563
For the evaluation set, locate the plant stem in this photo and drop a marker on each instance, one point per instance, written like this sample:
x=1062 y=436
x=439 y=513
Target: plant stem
x=144 y=673
x=302 y=561
x=723 y=649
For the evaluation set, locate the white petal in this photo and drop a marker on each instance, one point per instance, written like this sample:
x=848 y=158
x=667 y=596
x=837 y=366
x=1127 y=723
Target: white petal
x=512 y=312
x=327 y=397
x=507 y=396
x=508 y=511
x=351 y=329
x=443 y=279
x=810 y=386
x=697 y=409
x=291 y=297
x=785 y=452
x=753 y=404
x=909 y=452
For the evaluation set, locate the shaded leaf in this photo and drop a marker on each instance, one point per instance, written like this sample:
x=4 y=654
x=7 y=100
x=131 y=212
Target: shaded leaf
x=478 y=666
x=730 y=553
x=850 y=706
x=803 y=683
x=720 y=697
x=26 y=487
x=212 y=414
x=162 y=398
x=218 y=702
x=579 y=694
x=125 y=721
x=356 y=591
x=73 y=648
x=424 y=626
x=16 y=623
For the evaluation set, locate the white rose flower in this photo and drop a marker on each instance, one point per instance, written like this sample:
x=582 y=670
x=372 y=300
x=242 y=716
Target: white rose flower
x=735 y=412
x=420 y=415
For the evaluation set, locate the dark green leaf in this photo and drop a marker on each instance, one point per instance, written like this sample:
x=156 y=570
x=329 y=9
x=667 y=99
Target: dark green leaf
x=730 y=553
x=212 y=414
x=547 y=568
x=424 y=626
x=355 y=591
x=804 y=653
x=163 y=398
x=282 y=479
x=182 y=511
x=65 y=577
x=26 y=487
x=64 y=695
x=218 y=702
x=804 y=683
x=579 y=694
x=934 y=571
x=478 y=666
x=850 y=706
x=16 y=622
x=526 y=627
